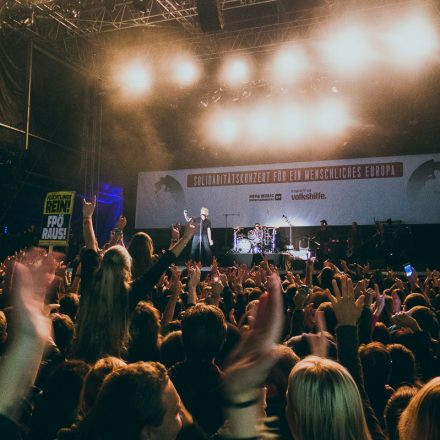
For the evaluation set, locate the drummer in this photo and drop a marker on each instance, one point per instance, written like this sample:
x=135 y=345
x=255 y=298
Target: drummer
x=256 y=236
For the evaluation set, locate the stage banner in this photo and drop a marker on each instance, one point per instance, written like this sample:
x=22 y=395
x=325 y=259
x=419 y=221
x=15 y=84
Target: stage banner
x=405 y=188
x=57 y=214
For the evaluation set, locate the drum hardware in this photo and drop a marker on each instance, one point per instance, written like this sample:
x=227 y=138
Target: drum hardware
x=257 y=240
x=243 y=246
x=286 y=219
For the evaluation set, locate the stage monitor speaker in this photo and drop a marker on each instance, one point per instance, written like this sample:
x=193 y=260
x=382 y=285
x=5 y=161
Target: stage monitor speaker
x=210 y=15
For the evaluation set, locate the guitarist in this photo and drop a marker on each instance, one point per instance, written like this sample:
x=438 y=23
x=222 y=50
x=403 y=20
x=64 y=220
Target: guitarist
x=324 y=238
x=354 y=241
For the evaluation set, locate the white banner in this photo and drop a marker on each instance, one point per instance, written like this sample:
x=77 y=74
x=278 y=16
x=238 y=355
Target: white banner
x=405 y=188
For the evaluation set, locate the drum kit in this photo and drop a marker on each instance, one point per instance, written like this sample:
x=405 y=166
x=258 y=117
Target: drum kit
x=256 y=241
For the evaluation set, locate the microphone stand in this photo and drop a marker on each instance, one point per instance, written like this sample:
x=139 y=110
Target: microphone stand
x=226 y=225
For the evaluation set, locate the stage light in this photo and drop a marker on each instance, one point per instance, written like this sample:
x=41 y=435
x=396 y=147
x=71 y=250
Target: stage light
x=135 y=78
x=348 y=50
x=413 y=41
x=291 y=123
x=186 y=71
x=330 y=117
x=288 y=64
x=259 y=124
x=236 y=71
x=224 y=127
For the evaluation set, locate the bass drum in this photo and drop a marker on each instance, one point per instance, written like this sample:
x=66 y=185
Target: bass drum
x=244 y=246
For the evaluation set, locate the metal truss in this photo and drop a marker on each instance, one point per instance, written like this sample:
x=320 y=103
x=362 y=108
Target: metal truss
x=55 y=19
x=74 y=29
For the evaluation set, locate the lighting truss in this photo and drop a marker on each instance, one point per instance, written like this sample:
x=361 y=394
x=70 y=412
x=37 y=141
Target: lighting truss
x=75 y=29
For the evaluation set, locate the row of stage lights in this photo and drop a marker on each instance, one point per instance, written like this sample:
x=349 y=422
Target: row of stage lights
x=348 y=50
x=278 y=124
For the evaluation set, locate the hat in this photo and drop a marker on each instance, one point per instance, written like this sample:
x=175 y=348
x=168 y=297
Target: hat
x=323 y=221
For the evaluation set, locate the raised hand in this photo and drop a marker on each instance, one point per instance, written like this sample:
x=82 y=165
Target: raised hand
x=175 y=232
x=88 y=208
x=249 y=364
x=404 y=319
x=121 y=223
x=346 y=308
x=190 y=229
x=380 y=300
x=195 y=272
x=214 y=266
x=397 y=303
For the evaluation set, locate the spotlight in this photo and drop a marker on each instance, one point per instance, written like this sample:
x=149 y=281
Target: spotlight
x=288 y=64
x=259 y=124
x=224 y=127
x=348 y=50
x=135 y=78
x=330 y=117
x=236 y=71
x=413 y=41
x=291 y=123
x=186 y=72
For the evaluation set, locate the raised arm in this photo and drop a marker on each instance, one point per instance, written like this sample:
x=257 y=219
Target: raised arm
x=348 y=311
x=118 y=232
x=31 y=328
x=145 y=283
x=188 y=233
x=88 y=232
x=249 y=364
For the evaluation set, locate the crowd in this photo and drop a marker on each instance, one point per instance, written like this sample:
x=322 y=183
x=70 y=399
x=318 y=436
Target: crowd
x=122 y=344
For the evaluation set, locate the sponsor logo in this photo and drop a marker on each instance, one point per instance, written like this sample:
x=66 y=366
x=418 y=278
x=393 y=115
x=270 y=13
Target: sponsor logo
x=264 y=197
x=307 y=194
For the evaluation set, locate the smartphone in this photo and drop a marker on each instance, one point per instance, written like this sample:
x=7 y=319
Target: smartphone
x=304 y=290
x=408 y=270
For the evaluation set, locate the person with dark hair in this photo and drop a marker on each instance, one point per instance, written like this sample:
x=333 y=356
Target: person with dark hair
x=135 y=402
x=395 y=406
x=63 y=330
x=415 y=299
x=276 y=388
x=381 y=333
x=144 y=333
x=326 y=278
x=94 y=379
x=427 y=321
x=69 y=304
x=376 y=367
x=403 y=366
x=141 y=250
x=57 y=407
x=171 y=349
x=198 y=379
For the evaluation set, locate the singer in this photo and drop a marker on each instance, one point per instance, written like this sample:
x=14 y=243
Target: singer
x=202 y=241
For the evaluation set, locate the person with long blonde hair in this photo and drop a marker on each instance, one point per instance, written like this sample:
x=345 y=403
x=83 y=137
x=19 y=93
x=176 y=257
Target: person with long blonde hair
x=108 y=293
x=421 y=418
x=323 y=402
x=102 y=325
